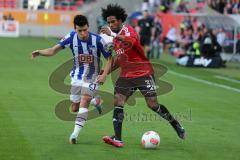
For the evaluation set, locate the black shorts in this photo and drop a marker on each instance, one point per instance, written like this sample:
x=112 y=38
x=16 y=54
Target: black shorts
x=127 y=86
x=145 y=40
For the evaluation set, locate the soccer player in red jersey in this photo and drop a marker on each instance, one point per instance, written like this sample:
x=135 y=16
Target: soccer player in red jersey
x=136 y=73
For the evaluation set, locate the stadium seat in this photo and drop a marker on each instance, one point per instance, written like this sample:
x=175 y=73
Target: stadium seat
x=58 y=7
x=1 y=4
x=7 y=3
x=79 y=3
x=69 y=5
x=73 y=8
x=64 y=8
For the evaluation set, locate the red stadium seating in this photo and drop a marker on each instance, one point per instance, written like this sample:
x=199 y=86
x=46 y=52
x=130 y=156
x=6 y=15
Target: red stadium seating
x=1 y=3
x=57 y=7
x=69 y=5
x=79 y=2
x=8 y=3
x=64 y=8
x=73 y=8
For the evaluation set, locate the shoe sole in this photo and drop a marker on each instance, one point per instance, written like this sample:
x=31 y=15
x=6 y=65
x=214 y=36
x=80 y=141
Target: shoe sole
x=109 y=141
x=117 y=145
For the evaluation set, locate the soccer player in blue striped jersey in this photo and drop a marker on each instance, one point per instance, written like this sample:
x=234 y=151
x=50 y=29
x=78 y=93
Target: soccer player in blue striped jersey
x=86 y=49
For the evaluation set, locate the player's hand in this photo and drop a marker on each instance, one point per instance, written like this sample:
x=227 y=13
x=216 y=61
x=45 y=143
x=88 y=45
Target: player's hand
x=35 y=54
x=106 y=31
x=101 y=79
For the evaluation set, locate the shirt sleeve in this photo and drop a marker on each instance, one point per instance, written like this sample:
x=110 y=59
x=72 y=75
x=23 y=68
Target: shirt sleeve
x=101 y=46
x=130 y=35
x=65 y=41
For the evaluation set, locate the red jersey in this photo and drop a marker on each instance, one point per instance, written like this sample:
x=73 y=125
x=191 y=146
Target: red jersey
x=130 y=55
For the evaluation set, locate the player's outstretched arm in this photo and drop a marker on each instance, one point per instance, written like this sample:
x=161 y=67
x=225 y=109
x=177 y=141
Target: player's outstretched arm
x=101 y=78
x=47 y=52
x=115 y=65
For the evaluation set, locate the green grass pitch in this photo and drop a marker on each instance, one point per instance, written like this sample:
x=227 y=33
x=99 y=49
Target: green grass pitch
x=29 y=128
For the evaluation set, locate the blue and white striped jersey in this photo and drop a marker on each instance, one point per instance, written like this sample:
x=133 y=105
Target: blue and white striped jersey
x=86 y=55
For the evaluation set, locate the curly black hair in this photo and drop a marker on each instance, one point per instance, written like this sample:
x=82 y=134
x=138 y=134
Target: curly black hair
x=114 y=10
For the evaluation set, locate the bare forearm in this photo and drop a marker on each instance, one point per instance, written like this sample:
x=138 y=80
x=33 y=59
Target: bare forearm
x=47 y=52
x=114 y=66
x=108 y=66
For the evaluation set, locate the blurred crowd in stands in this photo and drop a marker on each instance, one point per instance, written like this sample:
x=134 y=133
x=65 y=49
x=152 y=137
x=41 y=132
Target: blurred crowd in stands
x=191 y=37
x=194 y=38
x=70 y=4
x=225 y=6
x=179 y=6
x=8 y=3
x=62 y=5
x=7 y=17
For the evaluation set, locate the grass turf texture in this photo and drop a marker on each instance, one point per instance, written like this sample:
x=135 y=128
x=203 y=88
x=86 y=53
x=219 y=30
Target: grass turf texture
x=29 y=128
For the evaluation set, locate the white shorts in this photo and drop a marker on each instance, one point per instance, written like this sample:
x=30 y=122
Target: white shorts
x=80 y=88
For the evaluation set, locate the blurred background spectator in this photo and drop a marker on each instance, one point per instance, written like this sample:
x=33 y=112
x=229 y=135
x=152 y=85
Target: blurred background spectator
x=8 y=17
x=146 y=31
x=62 y=5
x=225 y=6
x=175 y=26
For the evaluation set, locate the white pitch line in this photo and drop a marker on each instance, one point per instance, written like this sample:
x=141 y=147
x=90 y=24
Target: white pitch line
x=204 y=81
x=228 y=79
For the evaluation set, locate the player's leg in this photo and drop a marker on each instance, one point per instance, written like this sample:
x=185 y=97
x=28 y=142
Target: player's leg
x=158 y=47
x=145 y=41
x=148 y=51
x=75 y=106
x=122 y=92
x=148 y=47
x=118 y=117
x=148 y=91
x=85 y=95
x=97 y=103
x=164 y=113
x=81 y=117
x=153 y=47
x=75 y=96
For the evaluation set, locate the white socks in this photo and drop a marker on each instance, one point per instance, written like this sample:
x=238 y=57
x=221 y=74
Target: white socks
x=80 y=120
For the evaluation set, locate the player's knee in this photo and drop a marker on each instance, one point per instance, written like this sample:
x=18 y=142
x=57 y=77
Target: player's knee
x=85 y=101
x=152 y=102
x=119 y=100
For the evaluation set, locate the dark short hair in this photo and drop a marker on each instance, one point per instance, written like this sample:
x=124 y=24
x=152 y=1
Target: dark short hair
x=114 y=10
x=80 y=20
